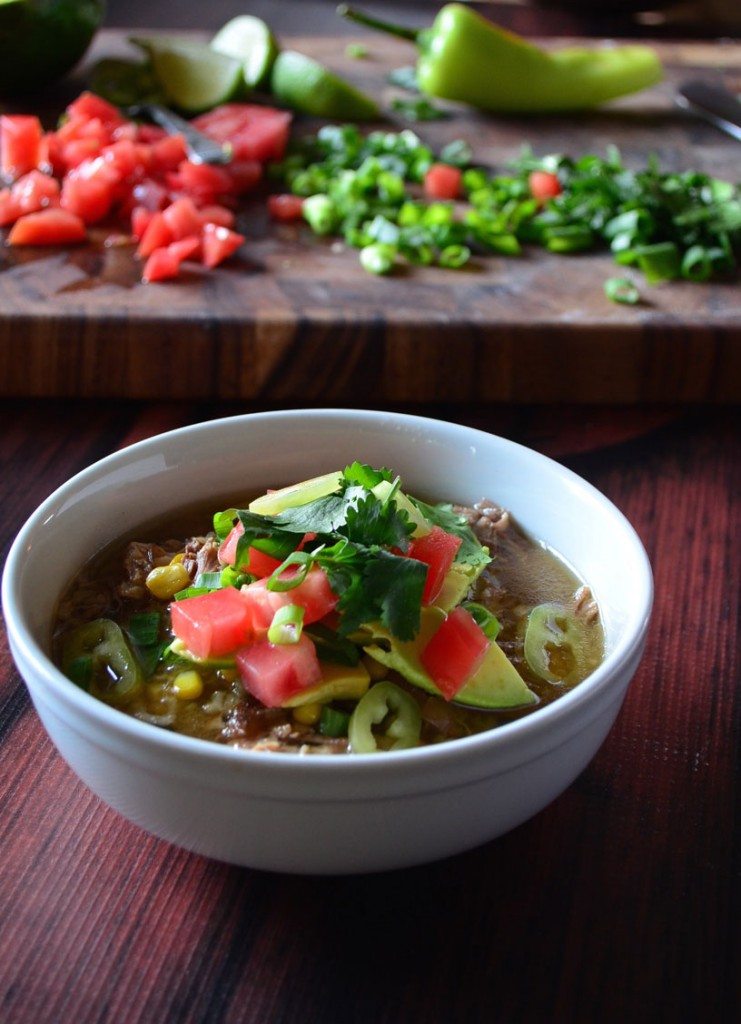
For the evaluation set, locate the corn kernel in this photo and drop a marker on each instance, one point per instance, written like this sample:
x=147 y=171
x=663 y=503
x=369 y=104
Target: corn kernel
x=307 y=714
x=178 y=558
x=165 y=581
x=187 y=685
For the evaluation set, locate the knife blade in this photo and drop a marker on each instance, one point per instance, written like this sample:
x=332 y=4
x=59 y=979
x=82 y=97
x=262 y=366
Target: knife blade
x=201 y=149
x=713 y=103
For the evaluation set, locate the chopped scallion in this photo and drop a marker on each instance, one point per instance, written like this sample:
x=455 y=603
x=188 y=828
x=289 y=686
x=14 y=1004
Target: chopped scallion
x=620 y=289
x=333 y=722
x=287 y=625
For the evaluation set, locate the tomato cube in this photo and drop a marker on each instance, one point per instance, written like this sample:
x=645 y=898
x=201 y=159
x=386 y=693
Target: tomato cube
x=544 y=185
x=455 y=652
x=48 y=227
x=437 y=550
x=20 y=145
x=286 y=207
x=219 y=243
x=442 y=182
x=214 y=624
x=275 y=672
x=314 y=595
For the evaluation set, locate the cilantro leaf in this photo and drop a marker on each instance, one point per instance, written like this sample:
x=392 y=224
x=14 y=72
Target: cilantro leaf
x=365 y=476
x=443 y=515
x=373 y=521
x=324 y=515
x=395 y=586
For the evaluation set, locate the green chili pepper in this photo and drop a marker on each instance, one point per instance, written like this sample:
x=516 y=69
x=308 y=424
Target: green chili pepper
x=112 y=673
x=465 y=57
x=554 y=642
x=398 y=715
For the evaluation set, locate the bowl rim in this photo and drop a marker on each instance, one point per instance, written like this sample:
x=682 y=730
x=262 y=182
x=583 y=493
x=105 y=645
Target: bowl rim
x=501 y=738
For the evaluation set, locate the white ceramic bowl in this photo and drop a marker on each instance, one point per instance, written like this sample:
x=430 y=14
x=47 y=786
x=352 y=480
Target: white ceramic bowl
x=323 y=813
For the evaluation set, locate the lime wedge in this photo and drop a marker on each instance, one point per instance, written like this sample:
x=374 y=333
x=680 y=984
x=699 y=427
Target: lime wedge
x=309 y=87
x=193 y=77
x=249 y=40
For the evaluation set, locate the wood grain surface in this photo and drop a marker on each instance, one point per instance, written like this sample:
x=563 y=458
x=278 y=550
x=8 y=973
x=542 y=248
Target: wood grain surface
x=295 y=318
x=617 y=903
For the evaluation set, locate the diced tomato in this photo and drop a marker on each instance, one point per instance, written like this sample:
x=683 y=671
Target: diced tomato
x=182 y=218
x=219 y=243
x=150 y=194
x=244 y=174
x=275 y=672
x=140 y=220
x=127 y=158
x=455 y=652
x=156 y=235
x=212 y=624
x=442 y=182
x=544 y=185
x=254 y=132
x=90 y=198
x=169 y=153
x=217 y=215
x=286 y=207
x=202 y=182
x=437 y=550
x=164 y=263
x=20 y=145
x=78 y=150
x=314 y=595
x=258 y=564
x=10 y=209
x=49 y=227
x=125 y=132
x=35 y=191
x=150 y=133
x=88 y=106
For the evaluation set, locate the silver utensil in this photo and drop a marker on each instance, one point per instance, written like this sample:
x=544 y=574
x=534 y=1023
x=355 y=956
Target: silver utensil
x=713 y=103
x=201 y=149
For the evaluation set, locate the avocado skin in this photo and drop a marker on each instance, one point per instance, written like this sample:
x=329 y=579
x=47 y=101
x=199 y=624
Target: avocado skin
x=40 y=40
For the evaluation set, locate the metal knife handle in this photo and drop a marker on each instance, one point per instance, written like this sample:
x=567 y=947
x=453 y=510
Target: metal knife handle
x=714 y=103
x=201 y=149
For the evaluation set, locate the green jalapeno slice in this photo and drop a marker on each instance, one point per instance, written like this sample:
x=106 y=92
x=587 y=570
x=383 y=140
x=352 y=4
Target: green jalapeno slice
x=394 y=711
x=554 y=642
x=97 y=657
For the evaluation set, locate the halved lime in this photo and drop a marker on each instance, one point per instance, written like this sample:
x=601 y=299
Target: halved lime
x=308 y=86
x=193 y=77
x=249 y=40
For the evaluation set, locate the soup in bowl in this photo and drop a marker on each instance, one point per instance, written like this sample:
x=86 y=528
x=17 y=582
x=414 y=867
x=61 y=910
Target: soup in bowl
x=461 y=629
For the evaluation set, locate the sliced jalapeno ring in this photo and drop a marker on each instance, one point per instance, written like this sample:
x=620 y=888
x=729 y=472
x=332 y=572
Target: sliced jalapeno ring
x=554 y=642
x=114 y=675
x=398 y=715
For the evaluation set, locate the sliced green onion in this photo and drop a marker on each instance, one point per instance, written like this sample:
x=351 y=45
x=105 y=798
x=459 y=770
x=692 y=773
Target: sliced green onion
x=489 y=624
x=333 y=722
x=149 y=657
x=458 y=153
x=320 y=214
x=568 y=238
x=454 y=256
x=404 y=78
x=231 y=577
x=144 y=628
x=303 y=559
x=378 y=258
x=191 y=592
x=208 y=581
x=223 y=523
x=419 y=109
x=620 y=289
x=697 y=263
x=658 y=262
x=287 y=625
x=356 y=51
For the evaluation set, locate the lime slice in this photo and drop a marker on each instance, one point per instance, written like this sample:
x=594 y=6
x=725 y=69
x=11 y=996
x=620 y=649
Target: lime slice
x=309 y=87
x=193 y=77
x=249 y=40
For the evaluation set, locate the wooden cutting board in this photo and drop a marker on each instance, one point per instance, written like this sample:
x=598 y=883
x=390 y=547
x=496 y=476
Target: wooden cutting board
x=296 y=318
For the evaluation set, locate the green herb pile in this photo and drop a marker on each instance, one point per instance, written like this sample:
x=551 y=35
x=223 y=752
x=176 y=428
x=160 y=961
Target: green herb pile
x=366 y=190
x=351 y=533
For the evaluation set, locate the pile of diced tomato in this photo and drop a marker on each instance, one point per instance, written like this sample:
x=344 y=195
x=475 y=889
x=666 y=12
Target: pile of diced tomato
x=233 y=621
x=99 y=167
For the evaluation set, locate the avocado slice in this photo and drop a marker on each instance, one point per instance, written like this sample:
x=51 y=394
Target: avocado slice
x=339 y=682
x=296 y=494
x=496 y=684
x=421 y=526
x=459 y=579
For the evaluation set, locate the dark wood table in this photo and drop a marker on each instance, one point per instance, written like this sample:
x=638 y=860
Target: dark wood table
x=613 y=904
x=616 y=903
